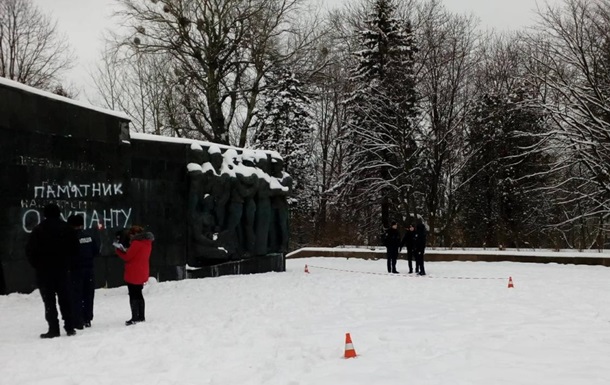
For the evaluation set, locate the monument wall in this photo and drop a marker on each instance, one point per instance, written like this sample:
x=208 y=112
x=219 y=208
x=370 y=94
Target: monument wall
x=56 y=150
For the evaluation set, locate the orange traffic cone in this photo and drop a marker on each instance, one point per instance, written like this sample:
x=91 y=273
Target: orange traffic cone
x=306 y=269
x=510 y=283
x=350 y=352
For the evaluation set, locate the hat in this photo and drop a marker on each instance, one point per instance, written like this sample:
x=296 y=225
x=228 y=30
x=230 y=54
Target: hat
x=393 y=223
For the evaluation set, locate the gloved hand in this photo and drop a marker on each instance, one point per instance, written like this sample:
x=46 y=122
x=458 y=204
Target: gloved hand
x=118 y=245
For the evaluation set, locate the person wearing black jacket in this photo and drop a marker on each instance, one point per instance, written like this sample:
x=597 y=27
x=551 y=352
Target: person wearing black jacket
x=50 y=250
x=420 y=247
x=83 y=279
x=408 y=241
x=392 y=243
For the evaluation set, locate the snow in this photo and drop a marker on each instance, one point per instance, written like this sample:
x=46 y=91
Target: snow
x=459 y=325
x=50 y=95
x=194 y=143
x=232 y=165
x=215 y=148
x=275 y=156
x=196 y=147
x=193 y=167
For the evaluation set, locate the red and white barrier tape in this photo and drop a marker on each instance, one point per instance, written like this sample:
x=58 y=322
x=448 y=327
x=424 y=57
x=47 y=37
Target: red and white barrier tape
x=399 y=275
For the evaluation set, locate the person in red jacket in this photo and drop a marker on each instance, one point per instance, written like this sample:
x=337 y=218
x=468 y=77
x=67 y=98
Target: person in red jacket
x=136 y=258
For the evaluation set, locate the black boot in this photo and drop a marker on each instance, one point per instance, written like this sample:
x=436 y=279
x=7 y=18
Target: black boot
x=52 y=333
x=135 y=313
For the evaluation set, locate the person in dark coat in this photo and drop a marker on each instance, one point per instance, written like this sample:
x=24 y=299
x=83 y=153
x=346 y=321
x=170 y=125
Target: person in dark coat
x=50 y=250
x=420 y=247
x=408 y=241
x=83 y=279
x=137 y=269
x=392 y=243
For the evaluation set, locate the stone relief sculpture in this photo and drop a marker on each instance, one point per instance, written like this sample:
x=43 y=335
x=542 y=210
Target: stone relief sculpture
x=219 y=185
x=238 y=204
x=201 y=219
x=262 y=218
x=281 y=189
x=250 y=181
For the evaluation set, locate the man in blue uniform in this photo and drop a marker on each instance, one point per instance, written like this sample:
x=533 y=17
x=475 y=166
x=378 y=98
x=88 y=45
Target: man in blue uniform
x=83 y=278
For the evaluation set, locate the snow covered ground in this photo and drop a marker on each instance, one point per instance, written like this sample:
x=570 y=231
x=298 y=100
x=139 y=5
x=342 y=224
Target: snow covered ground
x=459 y=325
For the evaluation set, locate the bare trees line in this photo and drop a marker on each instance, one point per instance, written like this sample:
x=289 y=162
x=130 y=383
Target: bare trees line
x=32 y=51
x=512 y=130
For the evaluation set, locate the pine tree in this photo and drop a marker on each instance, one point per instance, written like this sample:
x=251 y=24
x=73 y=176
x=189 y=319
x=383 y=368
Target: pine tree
x=381 y=112
x=284 y=124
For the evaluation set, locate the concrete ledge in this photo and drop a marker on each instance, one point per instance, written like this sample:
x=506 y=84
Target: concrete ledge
x=437 y=255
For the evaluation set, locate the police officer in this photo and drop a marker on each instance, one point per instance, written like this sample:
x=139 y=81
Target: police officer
x=83 y=278
x=50 y=249
x=408 y=241
x=392 y=244
x=420 y=247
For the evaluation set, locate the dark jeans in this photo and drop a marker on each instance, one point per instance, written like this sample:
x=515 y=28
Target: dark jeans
x=55 y=286
x=392 y=255
x=419 y=262
x=410 y=258
x=83 y=292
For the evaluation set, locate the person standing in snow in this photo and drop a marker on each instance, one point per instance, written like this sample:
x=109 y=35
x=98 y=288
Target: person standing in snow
x=391 y=241
x=420 y=247
x=137 y=269
x=83 y=280
x=408 y=241
x=51 y=248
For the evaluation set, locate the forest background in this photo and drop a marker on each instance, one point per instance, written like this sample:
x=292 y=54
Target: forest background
x=382 y=109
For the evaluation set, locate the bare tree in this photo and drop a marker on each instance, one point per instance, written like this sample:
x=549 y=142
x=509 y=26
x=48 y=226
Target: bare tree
x=31 y=49
x=220 y=51
x=446 y=65
x=574 y=63
x=143 y=85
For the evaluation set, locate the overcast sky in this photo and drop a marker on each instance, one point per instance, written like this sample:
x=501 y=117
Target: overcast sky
x=84 y=21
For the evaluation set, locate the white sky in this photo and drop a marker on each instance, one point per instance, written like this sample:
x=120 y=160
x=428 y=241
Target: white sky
x=84 y=21
x=460 y=325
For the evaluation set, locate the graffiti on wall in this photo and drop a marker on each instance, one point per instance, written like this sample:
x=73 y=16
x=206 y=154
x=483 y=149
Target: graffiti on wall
x=76 y=199
x=50 y=163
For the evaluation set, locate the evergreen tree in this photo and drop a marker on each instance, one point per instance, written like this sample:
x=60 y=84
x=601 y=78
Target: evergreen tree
x=381 y=115
x=284 y=124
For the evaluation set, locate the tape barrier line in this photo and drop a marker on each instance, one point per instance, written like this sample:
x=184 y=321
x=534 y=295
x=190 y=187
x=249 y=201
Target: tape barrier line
x=401 y=275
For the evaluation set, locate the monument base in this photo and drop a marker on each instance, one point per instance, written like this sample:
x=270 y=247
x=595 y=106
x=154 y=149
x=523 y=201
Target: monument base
x=264 y=264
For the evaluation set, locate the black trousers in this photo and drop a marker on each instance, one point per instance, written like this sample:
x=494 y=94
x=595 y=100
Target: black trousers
x=83 y=293
x=135 y=291
x=410 y=258
x=136 y=302
x=419 y=262
x=392 y=256
x=54 y=288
